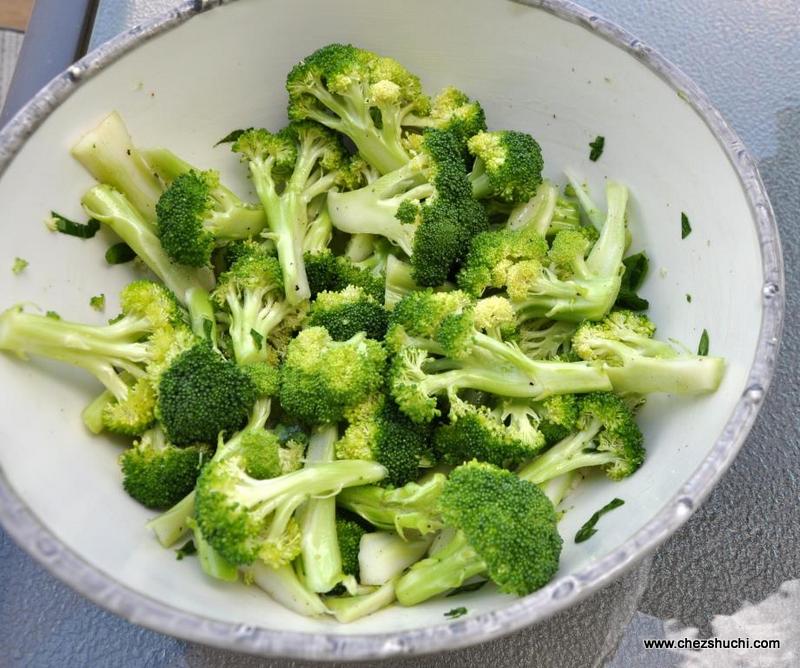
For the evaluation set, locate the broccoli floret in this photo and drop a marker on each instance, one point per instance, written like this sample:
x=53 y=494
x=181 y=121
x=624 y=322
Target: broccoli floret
x=190 y=285
x=246 y=519
x=508 y=165
x=202 y=394
x=378 y=431
x=321 y=378
x=494 y=254
x=109 y=155
x=250 y=293
x=441 y=346
x=127 y=356
x=332 y=273
x=348 y=312
x=505 y=528
x=558 y=416
x=349 y=530
x=589 y=286
x=408 y=508
x=425 y=207
x=360 y=94
x=159 y=474
x=451 y=110
x=637 y=363
x=544 y=339
x=196 y=212
x=607 y=437
x=290 y=168
x=505 y=437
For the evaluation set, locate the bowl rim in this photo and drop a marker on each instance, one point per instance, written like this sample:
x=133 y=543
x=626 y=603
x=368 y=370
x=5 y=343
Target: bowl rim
x=32 y=535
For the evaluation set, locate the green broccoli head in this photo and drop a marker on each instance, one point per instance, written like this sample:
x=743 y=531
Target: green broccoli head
x=508 y=165
x=476 y=432
x=321 y=378
x=558 y=416
x=159 y=474
x=360 y=94
x=452 y=110
x=333 y=273
x=134 y=414
x=349 y=529
x=505 y=528
x=378 y=431
x=201 y=394
x=347 y=312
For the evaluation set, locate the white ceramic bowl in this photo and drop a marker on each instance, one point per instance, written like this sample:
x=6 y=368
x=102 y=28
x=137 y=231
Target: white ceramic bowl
x=551 y=69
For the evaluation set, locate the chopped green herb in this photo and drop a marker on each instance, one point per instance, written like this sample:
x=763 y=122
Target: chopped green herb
x=686 y=228
x=636 y=267
x=188 y=549
x=19 y=265
x=588 y=530
x=455 y=613
x=232 y=136
x=53 y=315
x=702 y=347
x=688 y=298
x=98 y=302
x=59 y=223
x=597 y=147
x=119 y=253
x=473 y=586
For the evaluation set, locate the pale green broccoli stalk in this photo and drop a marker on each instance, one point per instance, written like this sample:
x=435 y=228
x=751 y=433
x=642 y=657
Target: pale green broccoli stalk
x=383 y=556
x=196 y=213
x=578 y=286
x=286 y=589
x=159 y=474
x=289 y=170
x=505 y=437
x=548 y=213
x=190 y=285
x=126 y=356
x=250 y=295
x=637 y=363
x=607 y=437
x=347 y=609
x=319 y=542
x=349 y=312
x=320 y=229
x=211 y=562
x=378 y=431
x=360 y=94
x=108 y=153
x=424 y=207
x=322 y=378
x=505 y=528
x=248 y=520
x=508 y=166
x=409 y=508
x=440 y=347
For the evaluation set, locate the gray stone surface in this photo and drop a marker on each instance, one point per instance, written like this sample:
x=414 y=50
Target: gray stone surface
x=742 y=543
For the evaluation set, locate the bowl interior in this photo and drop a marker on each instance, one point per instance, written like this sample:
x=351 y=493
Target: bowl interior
x=225 y=69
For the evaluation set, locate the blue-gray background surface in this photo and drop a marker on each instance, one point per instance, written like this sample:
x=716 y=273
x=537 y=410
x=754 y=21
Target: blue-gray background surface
x=740 y=546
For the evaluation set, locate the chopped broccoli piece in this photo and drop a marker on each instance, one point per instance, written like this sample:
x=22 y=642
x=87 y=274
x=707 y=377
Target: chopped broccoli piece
x=322 y=378
x=637 y=363
x=19 y=265
x=98 y=302
x=505 y=527
x=508 y=166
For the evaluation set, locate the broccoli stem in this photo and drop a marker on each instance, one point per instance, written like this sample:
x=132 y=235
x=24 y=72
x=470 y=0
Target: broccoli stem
x=172 y=525
x=372 y=209
x=322 y=561
x=109 y=155
x=348 y=609
x=537 y=212
x=211 y=562
x=92 y=415
x=111 y=208
x=680 y=375
x=447 y=569
x=286 y=216
x=318 y=234
x=283 y=585
x=606 y=255
x=479 y=179
x=593 y=213
x=383 y=556
x=569 y=454
x=399 y=281
x=556 y=489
